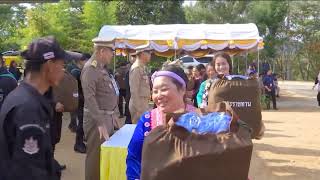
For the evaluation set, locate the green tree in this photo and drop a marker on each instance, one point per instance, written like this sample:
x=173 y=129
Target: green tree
x=270 y=17
x=95 y=15
x=62 y=20
x=305 y=31
x=217 y=12
x=149 y=12
x=49 y=19
x=291 y=29
x=12 y=18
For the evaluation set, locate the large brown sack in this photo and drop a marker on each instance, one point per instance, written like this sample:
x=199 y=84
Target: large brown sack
x=67 y=93
x=243 y=96
x=171 y=152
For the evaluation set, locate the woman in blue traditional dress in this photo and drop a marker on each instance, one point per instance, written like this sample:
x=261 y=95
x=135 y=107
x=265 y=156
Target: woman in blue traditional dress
x=168 y=94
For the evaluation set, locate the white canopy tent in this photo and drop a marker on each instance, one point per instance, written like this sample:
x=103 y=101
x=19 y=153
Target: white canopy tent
x=188 y=37
x=195 y=39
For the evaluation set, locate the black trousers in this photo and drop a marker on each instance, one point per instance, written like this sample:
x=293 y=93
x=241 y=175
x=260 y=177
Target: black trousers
x=128 y=115
x=272 y=95
x=79 y=132
x=73 y=119
x=122 y=97
x=55 y=129
x=318 y=98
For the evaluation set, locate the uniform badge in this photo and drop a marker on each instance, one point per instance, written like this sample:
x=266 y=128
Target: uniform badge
x=30 y=146
x=75 y=95
x=94 y=63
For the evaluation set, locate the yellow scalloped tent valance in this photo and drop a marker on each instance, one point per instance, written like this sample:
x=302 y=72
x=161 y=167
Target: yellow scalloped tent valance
x=198 y=39
x=166 y=54
x=194 y=45
x=198 y=53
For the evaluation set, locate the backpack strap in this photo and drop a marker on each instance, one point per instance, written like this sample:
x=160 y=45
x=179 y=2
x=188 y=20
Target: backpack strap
x=230 y=77
x=205 y=96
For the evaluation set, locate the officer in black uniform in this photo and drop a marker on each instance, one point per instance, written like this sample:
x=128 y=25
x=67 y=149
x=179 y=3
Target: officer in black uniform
x=26 y=150
x=79 y=145
x=7 y=82
x=73 y=115
x=55 y=126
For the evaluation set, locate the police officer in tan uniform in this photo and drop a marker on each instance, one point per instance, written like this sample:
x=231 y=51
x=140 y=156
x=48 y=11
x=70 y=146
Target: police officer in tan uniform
x=101 y=105
x=139 y=84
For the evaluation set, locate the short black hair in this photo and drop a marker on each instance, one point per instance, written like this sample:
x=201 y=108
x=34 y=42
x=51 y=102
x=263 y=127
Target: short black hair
x=83 y=56
x=190 y=67
x=33 y=66
x=199 y=67
x=179 y=71
x=87 y=55
x=12 y=62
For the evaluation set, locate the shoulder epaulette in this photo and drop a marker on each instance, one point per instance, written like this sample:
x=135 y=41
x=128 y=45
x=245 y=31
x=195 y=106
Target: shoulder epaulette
x=94 y=63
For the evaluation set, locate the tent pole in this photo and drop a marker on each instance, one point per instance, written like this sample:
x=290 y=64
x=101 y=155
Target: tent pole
x=238 y=65
x=128 y=57
x=246 y=60
x=114 y=64
x=258 y=61
x=232 y=63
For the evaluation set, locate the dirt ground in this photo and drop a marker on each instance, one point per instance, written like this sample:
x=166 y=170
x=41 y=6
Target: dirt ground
x=290 y=149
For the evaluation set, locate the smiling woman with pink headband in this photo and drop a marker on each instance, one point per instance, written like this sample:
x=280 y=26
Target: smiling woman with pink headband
x=168 y=93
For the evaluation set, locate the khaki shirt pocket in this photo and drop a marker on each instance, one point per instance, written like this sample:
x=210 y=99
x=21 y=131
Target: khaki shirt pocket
x=145 y=86
x=145 y=78
x=107 y=85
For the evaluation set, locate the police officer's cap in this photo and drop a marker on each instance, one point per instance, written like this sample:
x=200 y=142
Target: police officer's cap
x=101 y=42
x=47 y=48
x=143 y=48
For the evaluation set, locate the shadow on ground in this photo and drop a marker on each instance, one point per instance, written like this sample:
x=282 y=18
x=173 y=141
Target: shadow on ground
x=288 y=104
x=283 y=169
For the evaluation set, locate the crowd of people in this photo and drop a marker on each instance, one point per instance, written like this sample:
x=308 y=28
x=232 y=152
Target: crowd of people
x=31 y=117
x=174 y=91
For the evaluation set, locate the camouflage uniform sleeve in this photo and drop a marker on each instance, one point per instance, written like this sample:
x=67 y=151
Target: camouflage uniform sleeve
x=134 y=81
x=89 y=80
